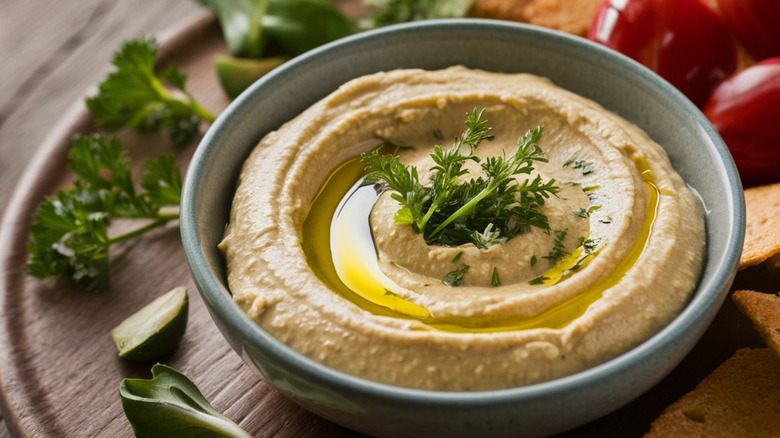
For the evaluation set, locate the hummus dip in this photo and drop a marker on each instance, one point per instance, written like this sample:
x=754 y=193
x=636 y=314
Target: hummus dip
x=317 y=260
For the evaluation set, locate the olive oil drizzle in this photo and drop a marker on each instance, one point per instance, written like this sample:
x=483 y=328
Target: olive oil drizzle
x=376 y=295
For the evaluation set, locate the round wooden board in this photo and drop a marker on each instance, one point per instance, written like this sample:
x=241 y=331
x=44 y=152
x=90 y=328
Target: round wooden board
x=59 y=372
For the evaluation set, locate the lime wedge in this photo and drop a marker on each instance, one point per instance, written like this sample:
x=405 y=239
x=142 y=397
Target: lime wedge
x=155 y=330
x=236 y=74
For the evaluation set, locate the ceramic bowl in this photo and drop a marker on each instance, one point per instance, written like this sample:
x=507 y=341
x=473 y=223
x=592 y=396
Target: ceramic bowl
x=612 y=80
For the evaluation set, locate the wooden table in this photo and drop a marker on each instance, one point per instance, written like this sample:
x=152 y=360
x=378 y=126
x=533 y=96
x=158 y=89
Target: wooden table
x=52 y=53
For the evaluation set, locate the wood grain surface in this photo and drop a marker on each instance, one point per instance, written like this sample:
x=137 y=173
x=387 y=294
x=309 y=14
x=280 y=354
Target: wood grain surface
x=59 y=373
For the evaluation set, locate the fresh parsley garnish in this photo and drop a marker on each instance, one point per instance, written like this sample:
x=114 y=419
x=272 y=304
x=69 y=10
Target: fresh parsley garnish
x=134 y=95
x=69 y=233
x=533 y=260
x=558 y=251
x=495 y=280
x=538 y=280
x=452 y=278
x=453 y=210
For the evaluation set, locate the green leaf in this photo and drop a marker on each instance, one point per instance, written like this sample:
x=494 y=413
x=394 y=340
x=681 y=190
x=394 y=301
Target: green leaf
x=452 y=278
x=69 y=231
x=162 y=181
x=66 y=239
x=558 y=252
x=398 y=11
x=301 y=25
x=170 y=405
x=240 y=21
x=134 y=96
x=296 y=25
x=174 y=76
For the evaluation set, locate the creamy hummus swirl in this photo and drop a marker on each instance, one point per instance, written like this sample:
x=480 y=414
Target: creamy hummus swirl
x=619 y=192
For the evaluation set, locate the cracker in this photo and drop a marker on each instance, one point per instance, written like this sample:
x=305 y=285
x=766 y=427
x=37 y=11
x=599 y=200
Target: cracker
x=764 y=310
x=739 y=399
x=573 y=16
x=762 y=230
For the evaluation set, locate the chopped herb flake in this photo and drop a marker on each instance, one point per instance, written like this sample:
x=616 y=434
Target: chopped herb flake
x=454 y=277
x=585 y=166
x=495 y=280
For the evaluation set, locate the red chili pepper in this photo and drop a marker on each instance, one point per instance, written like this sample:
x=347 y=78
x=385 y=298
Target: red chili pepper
x=756 y=23
x=745 y=109
x=684 y=41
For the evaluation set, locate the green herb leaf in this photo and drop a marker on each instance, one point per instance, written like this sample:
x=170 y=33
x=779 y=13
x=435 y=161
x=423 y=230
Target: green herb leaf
x=558 y=252
x=296 y=25
x=133 y=95
x=170 y=405
x=69 y=232
x=538 y=280
x=240 y=22
x=495 y=280
x=581 y=213
x=457 y=257
x=454 y=277
x=533 y=260
x=589 y=245
x=485 y=211
x=399 y=11
x=301 y=25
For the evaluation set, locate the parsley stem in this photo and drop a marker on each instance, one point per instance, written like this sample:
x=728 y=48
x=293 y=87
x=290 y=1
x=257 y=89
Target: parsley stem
x=466 y=207
x=427 y=216
x=203 y=113
x=165 y=95
x=137 y=232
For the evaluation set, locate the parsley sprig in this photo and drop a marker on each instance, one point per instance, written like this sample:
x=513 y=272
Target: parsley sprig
x=69 y=234
x=453 y=210
x=135 y=95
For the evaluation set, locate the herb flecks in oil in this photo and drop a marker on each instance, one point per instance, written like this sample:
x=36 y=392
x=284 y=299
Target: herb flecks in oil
x=558 y=251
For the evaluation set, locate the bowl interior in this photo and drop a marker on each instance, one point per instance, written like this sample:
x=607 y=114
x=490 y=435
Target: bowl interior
x=614 y=81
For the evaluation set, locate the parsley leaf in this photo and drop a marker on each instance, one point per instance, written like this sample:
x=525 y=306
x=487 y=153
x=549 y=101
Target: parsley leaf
x=69 y=232
x=452 y=278
x=486 y=210
x=134 y=95
x=558 y=252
